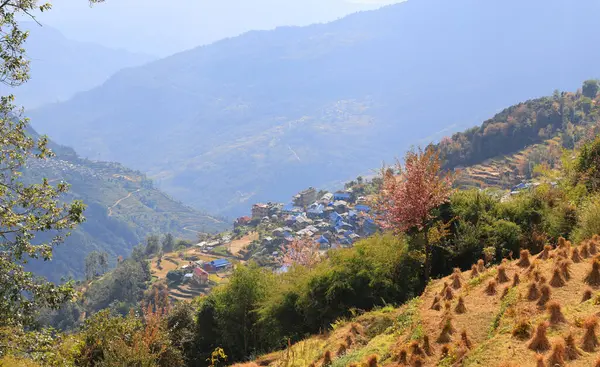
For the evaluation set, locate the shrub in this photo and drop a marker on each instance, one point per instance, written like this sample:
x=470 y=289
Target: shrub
x=588 y=220
x=557 y=279
x=522 y=329
x=571 y=350
x=532 y=292
x=516 y=280
x=575 y=256
x=446 y=333
x=593 y=277
x=524 y=259
x=540 y=342
x=590 y=340
x=556 y=316
x=427 y=345
x=460 y=306
x=501 y=277
x=587 y=295
x=490 y=289
x=474 y=271
x=544 y=295
x=557 y=357
x=545 y=254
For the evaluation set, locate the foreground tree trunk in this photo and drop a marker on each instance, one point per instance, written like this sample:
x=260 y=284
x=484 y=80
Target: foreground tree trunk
x=427 y=245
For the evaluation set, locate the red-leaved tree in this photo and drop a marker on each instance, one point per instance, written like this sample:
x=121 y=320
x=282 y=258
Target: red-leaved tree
x=406 y=200
x=301 y=251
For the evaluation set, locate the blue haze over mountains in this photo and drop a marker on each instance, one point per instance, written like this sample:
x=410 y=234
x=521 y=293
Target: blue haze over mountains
x=61 y=67
x=263 y=115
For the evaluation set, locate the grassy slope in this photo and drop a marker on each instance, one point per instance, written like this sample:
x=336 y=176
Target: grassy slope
x=488 y=321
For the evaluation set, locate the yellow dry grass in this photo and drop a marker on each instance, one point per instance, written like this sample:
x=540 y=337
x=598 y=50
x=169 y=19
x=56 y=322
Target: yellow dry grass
x=489 y=322
x=238 y=245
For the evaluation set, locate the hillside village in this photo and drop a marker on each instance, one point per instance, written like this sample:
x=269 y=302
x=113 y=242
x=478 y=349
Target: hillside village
x=331 y=219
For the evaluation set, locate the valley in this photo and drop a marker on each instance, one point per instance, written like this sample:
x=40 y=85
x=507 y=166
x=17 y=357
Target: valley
x=273 y=112
x=416 y=185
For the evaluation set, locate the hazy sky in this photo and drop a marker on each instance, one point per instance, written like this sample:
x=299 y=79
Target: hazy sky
x=152 y=26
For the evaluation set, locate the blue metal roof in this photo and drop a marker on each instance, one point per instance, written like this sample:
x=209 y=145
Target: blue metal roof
x=220 y=263
x=363 y=208
x=322 y=239
x=344 y=195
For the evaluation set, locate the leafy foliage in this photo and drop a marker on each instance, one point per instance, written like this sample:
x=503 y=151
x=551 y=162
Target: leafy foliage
x=406 y=201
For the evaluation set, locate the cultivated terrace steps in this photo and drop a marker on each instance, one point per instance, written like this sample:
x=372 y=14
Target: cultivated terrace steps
x=535 y=311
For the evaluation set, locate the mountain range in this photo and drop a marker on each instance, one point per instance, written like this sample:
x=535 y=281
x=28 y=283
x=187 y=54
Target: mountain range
x=61 y=67
x=265 y=114
x=123 y=207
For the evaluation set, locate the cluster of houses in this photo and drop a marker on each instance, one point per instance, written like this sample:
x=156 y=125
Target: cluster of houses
x=198 y=272
x=330 y=219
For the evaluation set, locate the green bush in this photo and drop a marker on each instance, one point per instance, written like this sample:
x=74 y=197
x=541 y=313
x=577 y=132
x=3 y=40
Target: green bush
x=588 y=221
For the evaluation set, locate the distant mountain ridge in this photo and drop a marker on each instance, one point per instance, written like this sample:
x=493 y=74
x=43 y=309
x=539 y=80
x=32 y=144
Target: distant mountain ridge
x=123 y=207
x=61 y=67
x=268 y=113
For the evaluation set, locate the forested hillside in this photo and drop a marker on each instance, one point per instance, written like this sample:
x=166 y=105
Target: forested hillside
x=123 y=207
x=269 y=113
x=504 y=149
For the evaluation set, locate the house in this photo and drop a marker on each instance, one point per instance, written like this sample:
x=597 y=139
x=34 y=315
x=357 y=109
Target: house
x=345 y=225
x=324 y=242
x=302 y=222
x=334 y=218
x=290 y=220
x=354 y=237
x=305 y=233
x=326 y=198
x=217 y=265
x=200 y=276
x=277 y=232
x=315 y=211
x=369 y=227
x=242 y=221
x=306 y=197
x=312 y=229
x=291 y=209
x=341 y=195
x=260 y=210
x=340 y=206
x=363 y=208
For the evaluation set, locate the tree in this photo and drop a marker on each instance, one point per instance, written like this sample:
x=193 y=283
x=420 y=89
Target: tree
x=103 y=262
x=96 y=263
x=302 y=251
x=590 y=88
x=152 y=245
x=91 y=265
x=26 y=209
x=168 y=243
x=405 y=202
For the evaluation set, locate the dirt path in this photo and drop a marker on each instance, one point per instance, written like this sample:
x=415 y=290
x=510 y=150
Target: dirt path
x=110 y=209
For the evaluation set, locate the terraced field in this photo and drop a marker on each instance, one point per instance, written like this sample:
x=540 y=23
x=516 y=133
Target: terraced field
x=501 y=172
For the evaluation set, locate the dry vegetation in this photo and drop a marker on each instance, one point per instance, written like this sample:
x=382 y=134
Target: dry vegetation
x=526 y=312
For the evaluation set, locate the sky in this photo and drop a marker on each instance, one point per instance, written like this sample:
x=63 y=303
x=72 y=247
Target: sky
x=152 y=27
